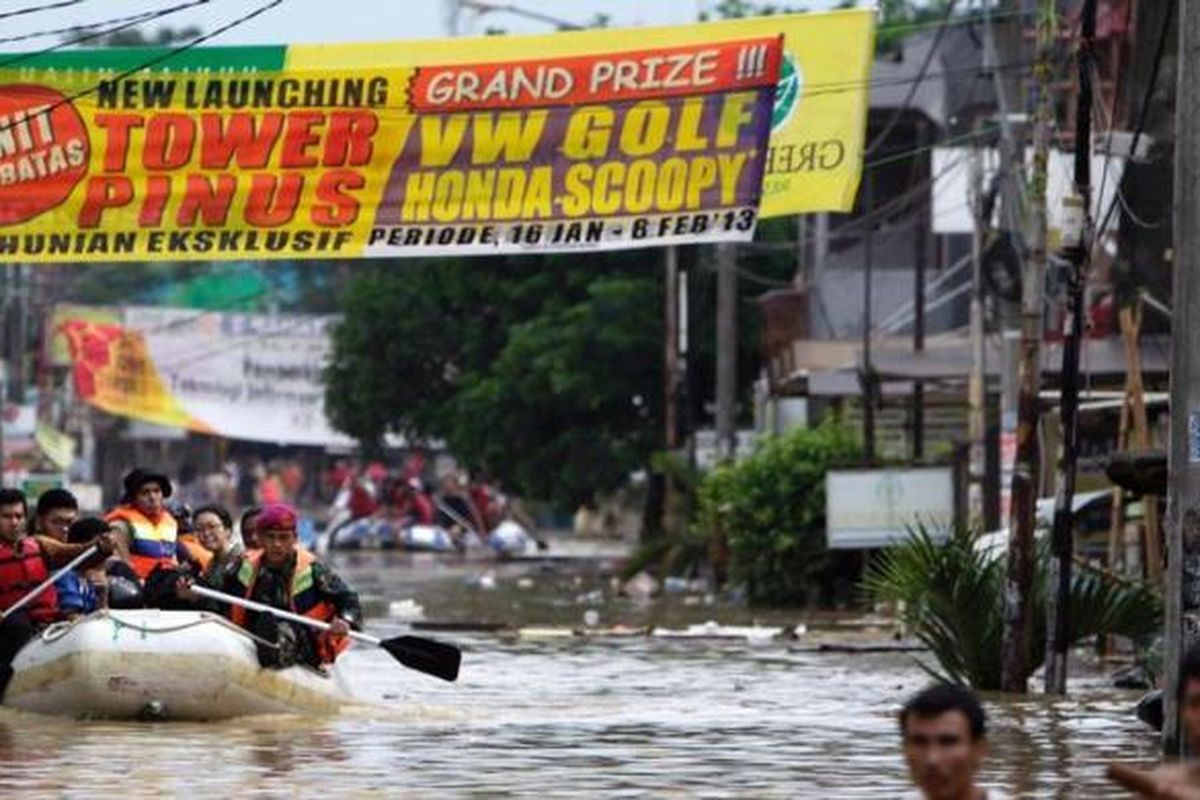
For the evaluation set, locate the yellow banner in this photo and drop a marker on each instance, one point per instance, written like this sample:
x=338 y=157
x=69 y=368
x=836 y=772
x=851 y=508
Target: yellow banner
x=568 y=142
x=814 y=161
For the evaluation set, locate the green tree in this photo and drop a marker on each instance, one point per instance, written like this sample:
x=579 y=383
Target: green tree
x=544 y=372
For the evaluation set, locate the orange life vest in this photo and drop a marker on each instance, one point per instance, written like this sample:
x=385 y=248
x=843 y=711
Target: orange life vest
x=198 y=552
x=302 y=599
x=153 y=543
x=23 y=568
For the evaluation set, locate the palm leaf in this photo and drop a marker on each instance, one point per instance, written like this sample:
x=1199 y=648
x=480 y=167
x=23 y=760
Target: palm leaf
x=952 y=595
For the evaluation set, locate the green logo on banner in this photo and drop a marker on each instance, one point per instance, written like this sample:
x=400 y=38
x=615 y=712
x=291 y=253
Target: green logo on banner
x=787 y=92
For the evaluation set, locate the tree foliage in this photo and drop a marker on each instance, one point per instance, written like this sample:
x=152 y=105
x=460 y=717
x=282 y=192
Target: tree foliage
x=771 y=508
x=543 y=372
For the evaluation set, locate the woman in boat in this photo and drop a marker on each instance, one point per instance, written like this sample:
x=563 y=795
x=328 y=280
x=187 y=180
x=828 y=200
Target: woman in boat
x=214 y=529
x=287 y=576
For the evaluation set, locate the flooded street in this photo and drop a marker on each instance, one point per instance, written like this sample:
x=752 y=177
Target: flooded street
x=562 y=716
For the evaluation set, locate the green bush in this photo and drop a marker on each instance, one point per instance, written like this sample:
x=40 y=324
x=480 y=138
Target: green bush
x=770 y=507
x=953 y=600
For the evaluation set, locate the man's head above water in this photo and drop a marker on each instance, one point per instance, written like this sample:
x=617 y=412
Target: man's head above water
x=945 y=739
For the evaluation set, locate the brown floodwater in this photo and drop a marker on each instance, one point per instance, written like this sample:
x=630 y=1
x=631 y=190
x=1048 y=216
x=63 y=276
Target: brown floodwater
x=575 y=717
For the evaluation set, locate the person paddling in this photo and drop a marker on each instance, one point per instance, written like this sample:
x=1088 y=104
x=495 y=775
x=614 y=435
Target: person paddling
x=286 y=576
x=26 y=563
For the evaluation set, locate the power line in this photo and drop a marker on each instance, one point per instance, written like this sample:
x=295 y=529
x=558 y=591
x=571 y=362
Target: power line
x=151 y=62
x=127 y=23
x=1144 y=111
x=20 y=12
x=136 y=19
x=934 y=48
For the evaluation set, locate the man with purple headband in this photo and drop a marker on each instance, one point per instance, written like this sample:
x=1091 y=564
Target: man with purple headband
x=285 y=575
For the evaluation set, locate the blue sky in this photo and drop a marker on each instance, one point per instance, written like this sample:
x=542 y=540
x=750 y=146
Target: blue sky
x=314 y=21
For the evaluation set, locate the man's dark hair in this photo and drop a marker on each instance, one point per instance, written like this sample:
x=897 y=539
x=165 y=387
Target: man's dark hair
x=942 y=698
x=14 y=497
x=54 y=499
x=217 y=511
x=86 y=529
x=248 y=515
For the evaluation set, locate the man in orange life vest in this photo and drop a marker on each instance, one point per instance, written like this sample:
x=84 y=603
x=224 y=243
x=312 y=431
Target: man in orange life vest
x=287 y=576
x=149 y=535
x=25 y=563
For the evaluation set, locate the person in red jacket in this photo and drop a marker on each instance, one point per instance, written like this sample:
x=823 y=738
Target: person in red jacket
x=25 y=563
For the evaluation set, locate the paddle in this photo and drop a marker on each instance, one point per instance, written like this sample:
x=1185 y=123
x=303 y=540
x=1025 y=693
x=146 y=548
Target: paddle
x=452 y=514
x=424 y=655
x=46 y=584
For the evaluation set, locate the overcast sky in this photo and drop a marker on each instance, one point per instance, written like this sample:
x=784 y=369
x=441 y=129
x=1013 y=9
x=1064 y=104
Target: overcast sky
x=314 y=21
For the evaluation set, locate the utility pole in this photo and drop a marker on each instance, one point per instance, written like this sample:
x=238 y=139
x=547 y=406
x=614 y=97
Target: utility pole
x=727 y=343
x=977 y=381
x=670 y=380
x=918 y=390
x=1018 y=590
x=866 y=373
x=820 y=255
x=1183 y=486
x=1077 y=238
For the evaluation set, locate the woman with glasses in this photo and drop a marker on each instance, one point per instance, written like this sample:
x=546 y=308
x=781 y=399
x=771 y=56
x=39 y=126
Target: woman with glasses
x=214 y=530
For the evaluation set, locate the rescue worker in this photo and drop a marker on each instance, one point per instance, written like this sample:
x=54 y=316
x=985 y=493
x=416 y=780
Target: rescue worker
x=149 y=534
x=287 y=576
x=25 y=563
x=56 y=510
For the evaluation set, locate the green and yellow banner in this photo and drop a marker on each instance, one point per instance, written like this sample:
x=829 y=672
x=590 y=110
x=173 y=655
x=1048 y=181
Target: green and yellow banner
x=567 y=142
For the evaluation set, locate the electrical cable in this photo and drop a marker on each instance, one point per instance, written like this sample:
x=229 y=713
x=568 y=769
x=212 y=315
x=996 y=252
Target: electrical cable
x=135 y=19
x=1144 y=111
x=934 y=49
x=148 y=63
x=20 y=12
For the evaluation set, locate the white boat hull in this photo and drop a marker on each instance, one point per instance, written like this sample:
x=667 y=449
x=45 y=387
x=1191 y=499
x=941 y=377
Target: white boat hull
x=149 y=664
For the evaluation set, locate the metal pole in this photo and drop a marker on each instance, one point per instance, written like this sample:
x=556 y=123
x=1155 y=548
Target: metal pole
x=866 y=377
x=819 y=258
x=726 y=350
x=1018 y=614
x=1183 y=487
x=977 y=422
x=918 y=392
x=1077 y=243
x=670 y=380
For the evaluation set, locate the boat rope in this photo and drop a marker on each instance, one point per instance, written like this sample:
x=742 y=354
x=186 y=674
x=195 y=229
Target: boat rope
x=60 y=629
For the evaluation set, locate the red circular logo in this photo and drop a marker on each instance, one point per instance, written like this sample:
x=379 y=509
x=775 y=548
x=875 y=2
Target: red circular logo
x=44 y=151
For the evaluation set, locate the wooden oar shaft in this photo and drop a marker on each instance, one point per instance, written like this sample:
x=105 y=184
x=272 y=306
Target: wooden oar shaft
x=277 y=612
x=46 y=584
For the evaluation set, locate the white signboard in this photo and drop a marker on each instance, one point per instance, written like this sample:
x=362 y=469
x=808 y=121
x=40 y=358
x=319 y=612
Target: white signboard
x=874 y=508
x=952 y=197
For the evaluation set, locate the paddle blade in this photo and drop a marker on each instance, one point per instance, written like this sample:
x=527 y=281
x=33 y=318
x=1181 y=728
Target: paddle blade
x=425 y=655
